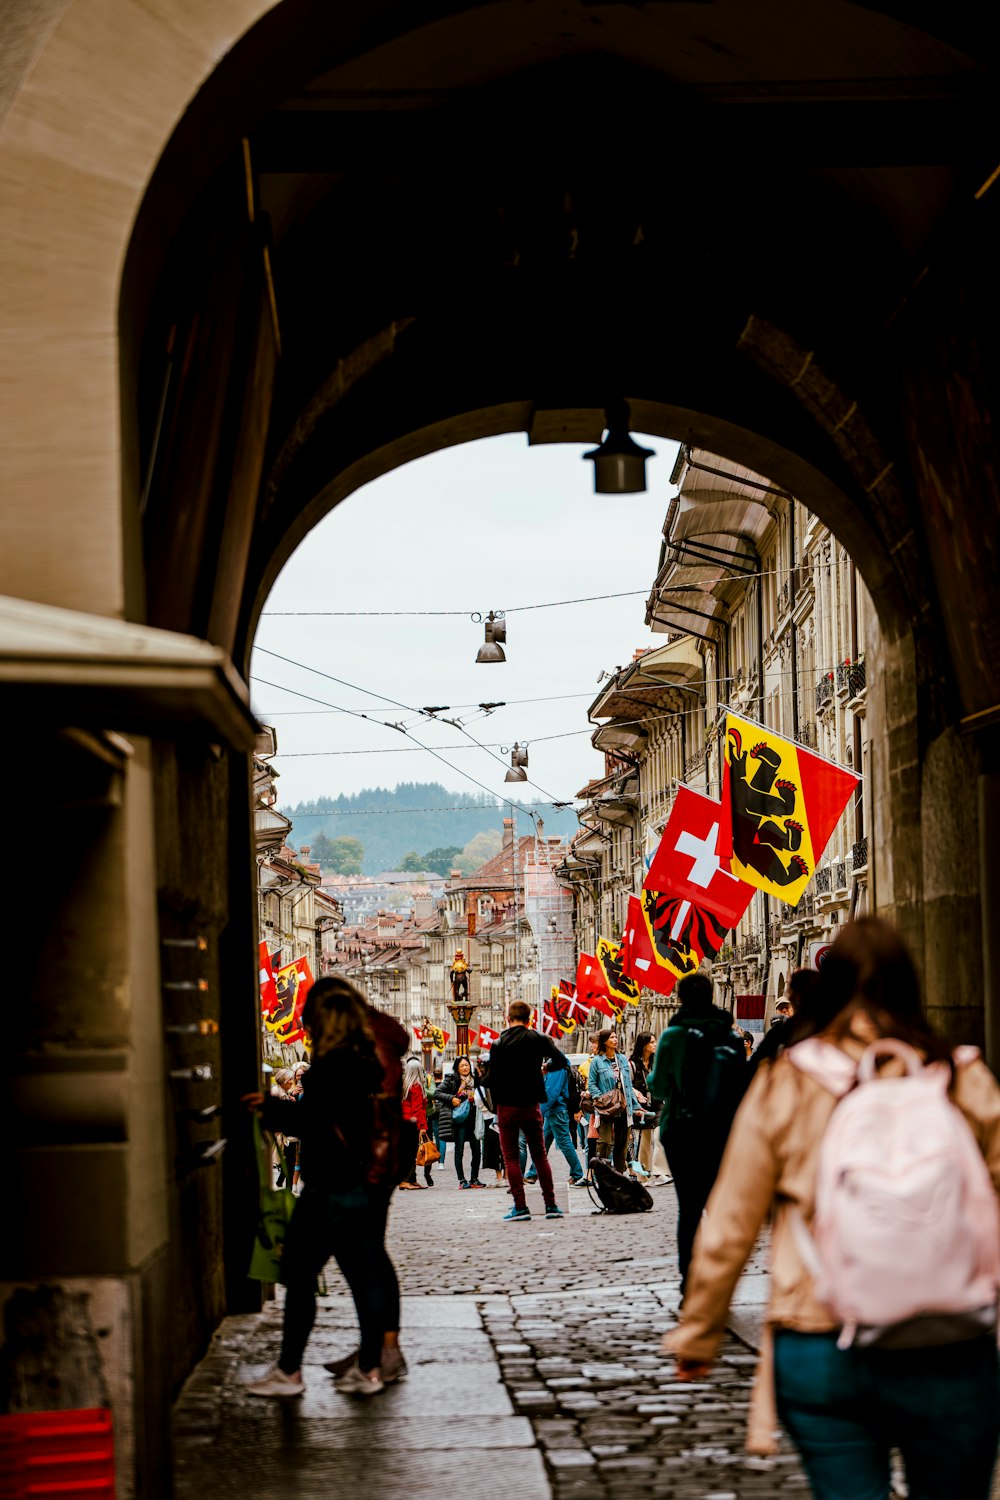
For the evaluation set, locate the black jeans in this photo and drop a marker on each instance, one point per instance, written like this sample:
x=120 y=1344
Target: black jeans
x=350 y=1227
x=694 y=1165
x=466 y=1131
x=613 y=1140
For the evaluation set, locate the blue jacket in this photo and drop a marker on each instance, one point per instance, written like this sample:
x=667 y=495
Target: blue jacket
x=601 y=1080
x=556 y=1089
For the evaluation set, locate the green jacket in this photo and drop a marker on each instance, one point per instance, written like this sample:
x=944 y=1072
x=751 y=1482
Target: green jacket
x=671 y=1077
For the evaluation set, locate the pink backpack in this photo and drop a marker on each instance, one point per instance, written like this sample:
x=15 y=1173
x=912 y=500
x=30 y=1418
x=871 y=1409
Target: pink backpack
x=905 y=1242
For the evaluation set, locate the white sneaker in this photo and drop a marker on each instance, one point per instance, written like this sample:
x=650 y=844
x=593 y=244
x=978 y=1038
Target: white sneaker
x=354 y=1383
x=276 y=1383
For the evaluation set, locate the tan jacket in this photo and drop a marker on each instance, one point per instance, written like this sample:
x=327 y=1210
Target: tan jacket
x=770 y=1163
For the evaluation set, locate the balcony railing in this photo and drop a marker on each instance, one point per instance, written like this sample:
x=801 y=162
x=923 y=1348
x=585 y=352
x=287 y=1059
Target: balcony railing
x=843 y=676
x=807 y=734
x=859 y=856
x=838 y=873
x=824 y=691
x=857 y=679
x=822 y=882
x=805 y=908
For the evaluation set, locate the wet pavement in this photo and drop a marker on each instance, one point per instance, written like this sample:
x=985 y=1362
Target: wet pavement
x=535 y=1370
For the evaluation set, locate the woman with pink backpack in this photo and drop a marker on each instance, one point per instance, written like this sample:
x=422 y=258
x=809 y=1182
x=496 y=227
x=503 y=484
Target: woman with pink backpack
x=876 y=1149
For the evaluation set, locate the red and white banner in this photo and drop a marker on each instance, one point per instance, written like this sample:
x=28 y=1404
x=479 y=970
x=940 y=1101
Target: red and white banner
x=688 y=863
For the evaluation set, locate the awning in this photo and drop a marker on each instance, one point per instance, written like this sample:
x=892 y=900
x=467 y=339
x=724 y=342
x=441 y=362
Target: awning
x=60 y=668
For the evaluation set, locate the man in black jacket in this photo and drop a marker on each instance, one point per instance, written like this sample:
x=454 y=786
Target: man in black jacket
x=518 y=1089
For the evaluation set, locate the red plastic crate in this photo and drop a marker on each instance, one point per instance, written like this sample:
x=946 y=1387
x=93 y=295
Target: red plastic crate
x=62 y=1454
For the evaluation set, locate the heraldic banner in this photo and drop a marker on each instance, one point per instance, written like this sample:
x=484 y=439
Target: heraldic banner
x=783 y=804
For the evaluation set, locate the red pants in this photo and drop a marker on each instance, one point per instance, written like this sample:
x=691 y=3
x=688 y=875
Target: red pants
x=513 y=1118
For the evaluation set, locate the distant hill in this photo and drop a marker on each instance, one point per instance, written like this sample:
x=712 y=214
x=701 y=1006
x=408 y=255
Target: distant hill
x=415 y=815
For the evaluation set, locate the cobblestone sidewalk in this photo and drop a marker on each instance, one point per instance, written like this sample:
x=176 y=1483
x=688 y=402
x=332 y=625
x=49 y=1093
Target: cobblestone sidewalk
x=535 y=1369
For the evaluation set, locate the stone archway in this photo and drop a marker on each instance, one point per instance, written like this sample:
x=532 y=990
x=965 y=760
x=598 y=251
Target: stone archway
x=835 y=243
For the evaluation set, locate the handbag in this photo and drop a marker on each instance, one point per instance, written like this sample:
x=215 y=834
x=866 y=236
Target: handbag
x=275 y=1208
x=427 y=1152
x=610 y=1105
x=460 y=1112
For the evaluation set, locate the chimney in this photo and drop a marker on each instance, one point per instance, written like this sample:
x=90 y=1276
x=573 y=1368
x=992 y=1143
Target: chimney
x=508 y=833
x=305 y=850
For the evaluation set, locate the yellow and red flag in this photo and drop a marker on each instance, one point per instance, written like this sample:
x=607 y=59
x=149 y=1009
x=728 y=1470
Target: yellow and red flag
x=438 y=1038
x=292 y=984
x=621 y=989
x=782 y=803
x=667 y=937
x=560 y=1006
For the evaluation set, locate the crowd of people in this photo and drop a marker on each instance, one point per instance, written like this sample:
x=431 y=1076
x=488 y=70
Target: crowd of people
x=857 y=1359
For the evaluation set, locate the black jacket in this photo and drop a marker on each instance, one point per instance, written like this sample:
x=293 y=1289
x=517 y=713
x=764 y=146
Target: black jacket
x=516 y=1067
x=447 y=1090
x=332 y=1119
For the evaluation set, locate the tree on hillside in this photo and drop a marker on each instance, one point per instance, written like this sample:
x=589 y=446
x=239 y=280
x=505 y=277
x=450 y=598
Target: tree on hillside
x=441 y=861
x=412 y=861
x=480 y=848
x=340 y=856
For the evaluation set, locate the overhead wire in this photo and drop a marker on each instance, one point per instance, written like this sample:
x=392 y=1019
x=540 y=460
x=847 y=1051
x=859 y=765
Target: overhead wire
x=457 y=769
x=412 y=614
x=424 y=714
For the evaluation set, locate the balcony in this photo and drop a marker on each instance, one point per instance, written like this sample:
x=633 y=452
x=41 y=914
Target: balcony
x=751 y=947
x=824 y=692
x=857 y=680
x=843 y=676
x=838 y=873
x=823 y=882
x=859 y=856
x=805 y=909
x=807 y=735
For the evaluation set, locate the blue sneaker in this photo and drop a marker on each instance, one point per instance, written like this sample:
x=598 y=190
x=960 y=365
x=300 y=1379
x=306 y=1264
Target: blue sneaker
x=578 y=1182
x=553 y=1211
x=518 y=1213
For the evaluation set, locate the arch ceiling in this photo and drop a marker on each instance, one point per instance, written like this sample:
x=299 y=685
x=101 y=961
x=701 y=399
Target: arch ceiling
x=480 y=214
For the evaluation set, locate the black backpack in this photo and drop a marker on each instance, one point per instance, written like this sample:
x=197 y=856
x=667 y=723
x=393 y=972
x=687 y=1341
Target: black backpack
x=575 y=1091
x=716 y=1076
x=618 y=1193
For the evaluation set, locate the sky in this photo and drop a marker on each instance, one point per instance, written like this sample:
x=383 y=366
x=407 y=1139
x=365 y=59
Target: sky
x=488 y=525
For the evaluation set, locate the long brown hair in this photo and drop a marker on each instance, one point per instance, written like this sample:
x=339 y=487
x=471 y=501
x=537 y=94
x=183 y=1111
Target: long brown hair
x=869 y=969
x=337 y=1016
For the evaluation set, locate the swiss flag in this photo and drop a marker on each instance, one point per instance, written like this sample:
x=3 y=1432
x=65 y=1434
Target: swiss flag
x=688 y=864
x=268 y=991
x=591 y=985
x=487 y=1036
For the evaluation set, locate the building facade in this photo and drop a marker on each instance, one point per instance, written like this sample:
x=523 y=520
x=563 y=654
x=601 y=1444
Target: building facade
x=765 y=614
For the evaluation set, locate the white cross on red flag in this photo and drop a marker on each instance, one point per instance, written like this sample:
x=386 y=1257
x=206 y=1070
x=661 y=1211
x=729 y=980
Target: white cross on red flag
x=687 y=862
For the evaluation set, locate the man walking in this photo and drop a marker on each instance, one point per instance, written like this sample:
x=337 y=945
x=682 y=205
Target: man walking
x=700 y=1073
x=518 y=1090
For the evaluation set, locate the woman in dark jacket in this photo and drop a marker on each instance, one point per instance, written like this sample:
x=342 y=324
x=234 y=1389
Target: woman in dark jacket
x=340 y=1212
x=455 y=1090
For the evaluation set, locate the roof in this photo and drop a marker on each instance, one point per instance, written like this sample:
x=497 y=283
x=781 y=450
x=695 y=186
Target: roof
x=497 y=874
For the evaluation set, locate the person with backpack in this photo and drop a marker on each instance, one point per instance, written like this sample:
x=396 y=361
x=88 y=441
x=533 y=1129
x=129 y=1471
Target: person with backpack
x=876 y=1148
x=609 y=1075
x=700 y=1073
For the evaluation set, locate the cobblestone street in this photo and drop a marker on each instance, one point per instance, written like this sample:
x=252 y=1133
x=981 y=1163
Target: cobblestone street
x=535 y=1369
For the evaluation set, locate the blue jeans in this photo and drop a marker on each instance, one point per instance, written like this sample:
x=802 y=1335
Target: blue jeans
x=845 y=1408
x=558 y=1128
